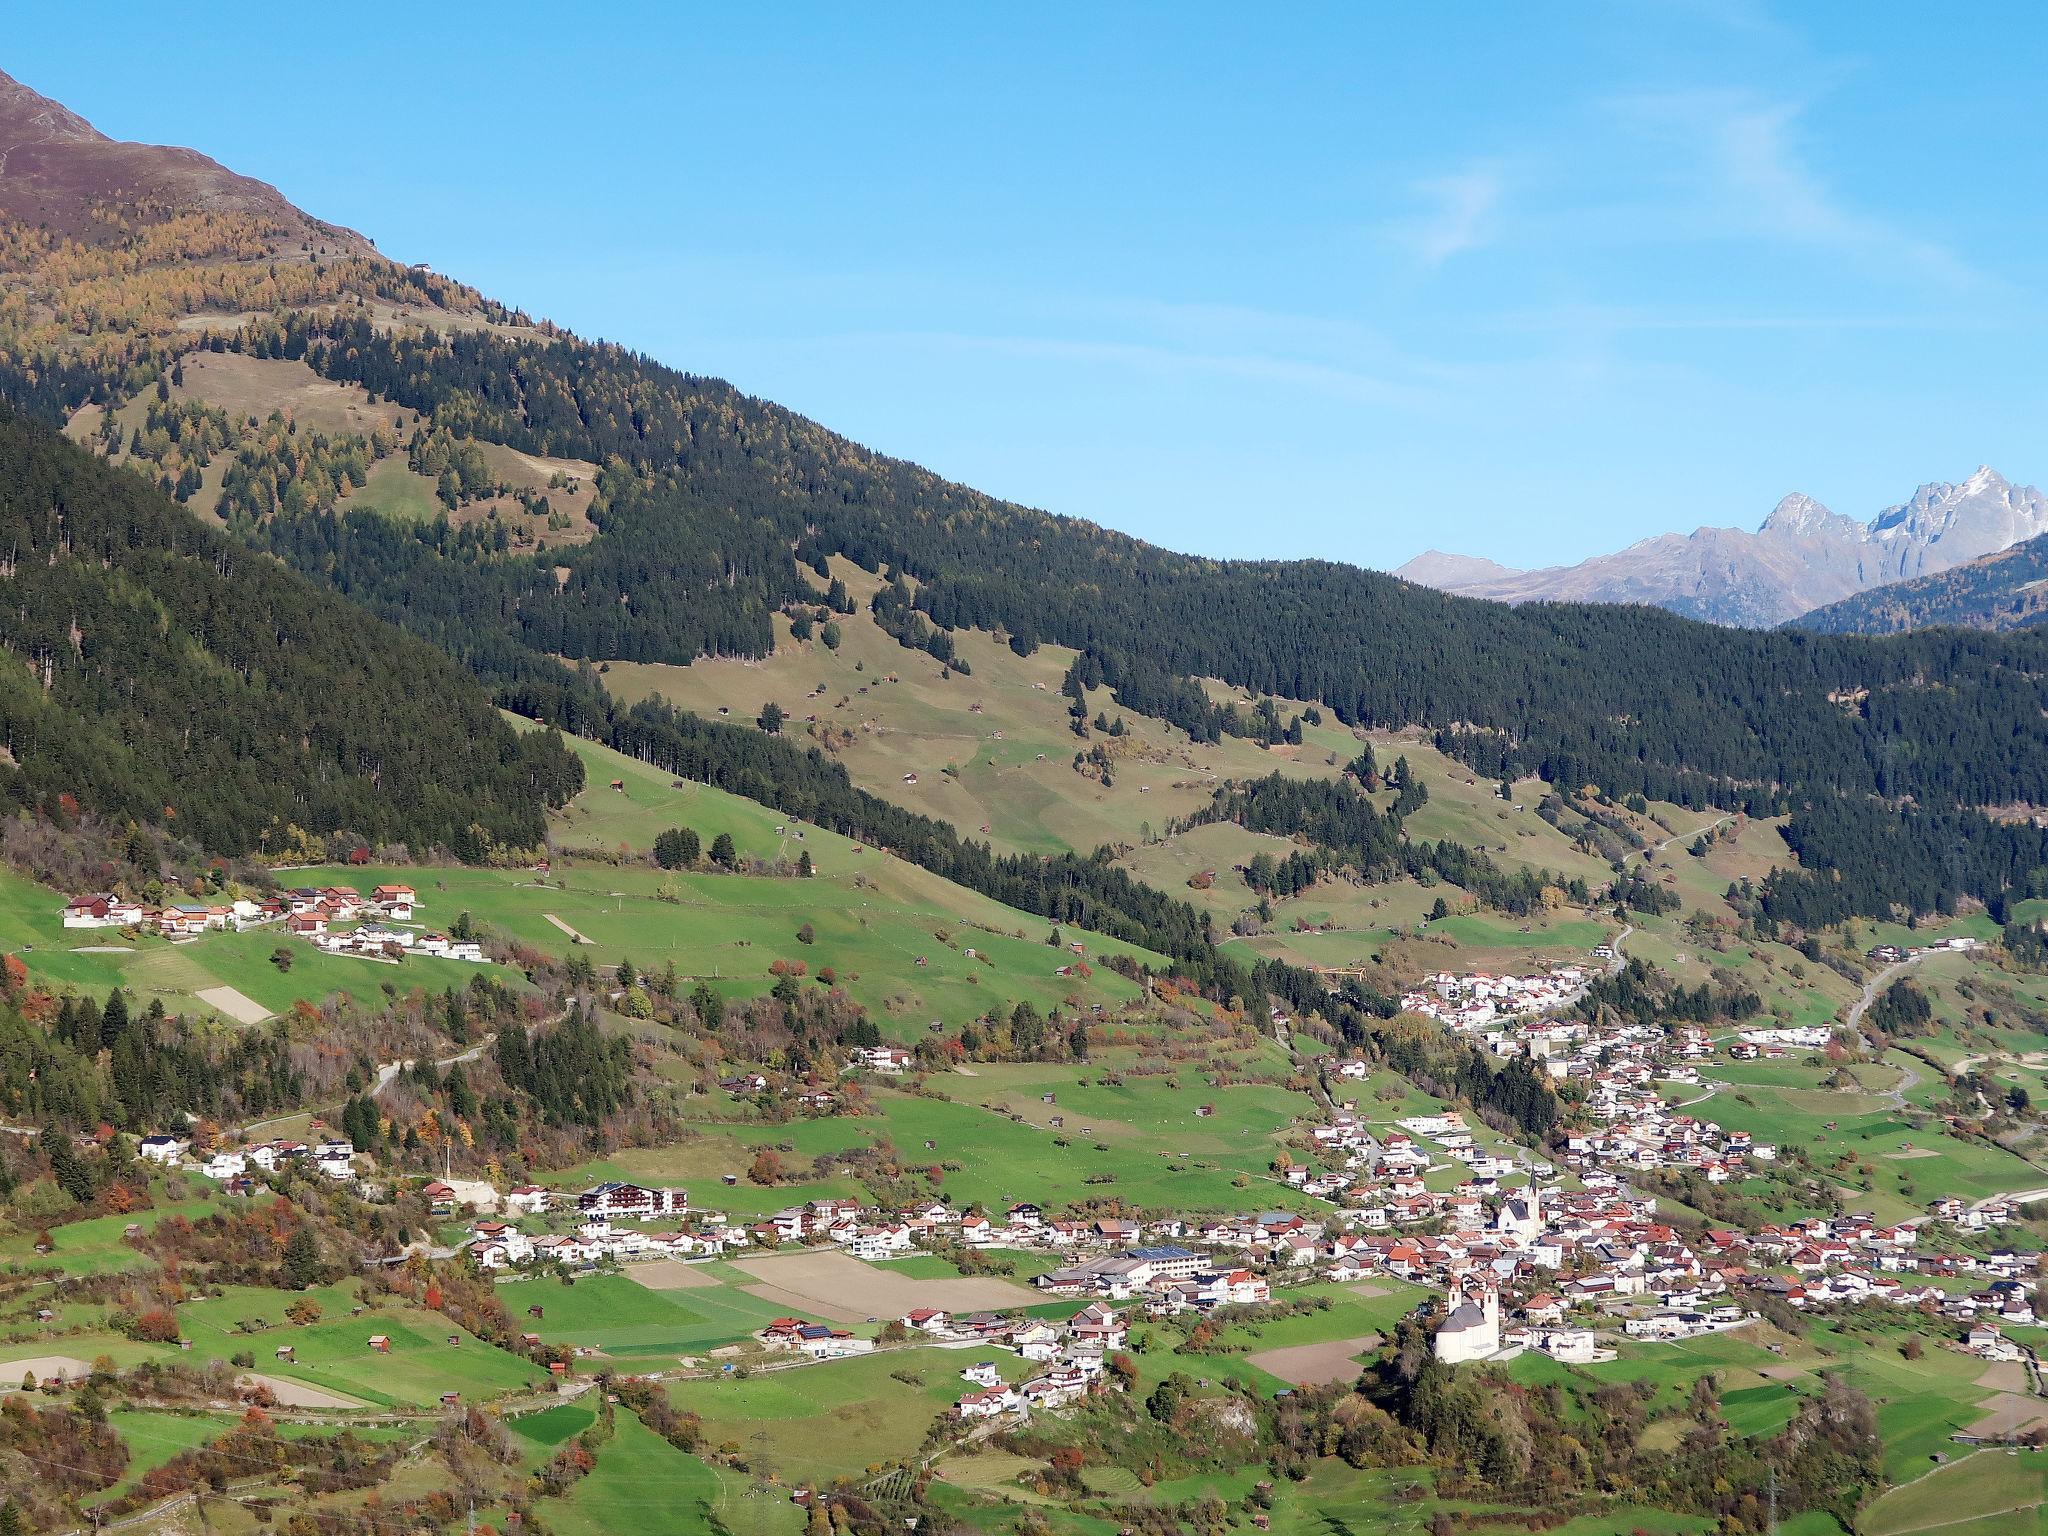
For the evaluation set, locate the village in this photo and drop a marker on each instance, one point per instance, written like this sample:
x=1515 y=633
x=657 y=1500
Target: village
x=337 y=919
x=1553 y=1253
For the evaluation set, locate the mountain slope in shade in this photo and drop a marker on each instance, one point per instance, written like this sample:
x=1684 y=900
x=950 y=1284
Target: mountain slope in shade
x=157 y=670
x=1803 y=557
x=56 y=168
x=2006 y=590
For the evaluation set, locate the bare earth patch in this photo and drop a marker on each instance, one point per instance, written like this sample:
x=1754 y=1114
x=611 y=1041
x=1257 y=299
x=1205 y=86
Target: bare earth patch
x=1908 y=1156
x=671 y=1275
x=43 y=1367
x=1315 y=1365
x=1781 y=1372
x=238 y=1006
x=2004 y=1376
x=841 y=1287
x=296 y=1394
x=2010 y=1413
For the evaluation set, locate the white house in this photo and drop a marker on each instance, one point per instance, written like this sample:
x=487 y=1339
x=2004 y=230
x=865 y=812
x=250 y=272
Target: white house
x=162 y=1149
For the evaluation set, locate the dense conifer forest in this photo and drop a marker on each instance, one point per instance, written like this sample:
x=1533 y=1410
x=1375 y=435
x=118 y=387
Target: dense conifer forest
x=161 y=672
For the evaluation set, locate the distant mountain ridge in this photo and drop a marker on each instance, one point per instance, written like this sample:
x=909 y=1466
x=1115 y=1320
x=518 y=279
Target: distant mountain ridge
x=1803 y=556
x=2006 y=590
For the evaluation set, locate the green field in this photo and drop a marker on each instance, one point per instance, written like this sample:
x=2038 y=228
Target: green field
x=149 y=968
x=815 y=1423
x=896 y=936
x=97 y=1245
x=1989 y=1491
x=1141 y=1139
x=335 y=1354
x=624 y=1318
x=641 y=1483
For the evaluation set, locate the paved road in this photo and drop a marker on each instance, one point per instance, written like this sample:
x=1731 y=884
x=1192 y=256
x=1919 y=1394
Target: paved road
x=386 y=1072
x=1880 y=981
x=1614 y=966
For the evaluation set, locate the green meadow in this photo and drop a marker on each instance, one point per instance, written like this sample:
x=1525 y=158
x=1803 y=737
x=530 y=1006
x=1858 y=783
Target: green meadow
x=429 y=1354
x=640 y=1483
x=622 y=1317
x=817 y=1422
x=148 y=968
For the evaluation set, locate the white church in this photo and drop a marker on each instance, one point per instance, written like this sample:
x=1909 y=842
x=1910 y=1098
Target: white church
x=1472 y=1331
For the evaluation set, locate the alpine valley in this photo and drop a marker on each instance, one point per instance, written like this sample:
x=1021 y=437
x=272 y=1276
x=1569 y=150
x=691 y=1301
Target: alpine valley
x=586 y=954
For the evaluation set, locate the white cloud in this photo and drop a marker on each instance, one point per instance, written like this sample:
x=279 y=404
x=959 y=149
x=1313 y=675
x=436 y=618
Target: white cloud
x=1755 y=182
x=1459 y=216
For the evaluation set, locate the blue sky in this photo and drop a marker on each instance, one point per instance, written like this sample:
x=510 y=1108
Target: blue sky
x=1529 y=282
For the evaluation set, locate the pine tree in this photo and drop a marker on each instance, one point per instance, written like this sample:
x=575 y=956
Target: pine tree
x=301 y=1260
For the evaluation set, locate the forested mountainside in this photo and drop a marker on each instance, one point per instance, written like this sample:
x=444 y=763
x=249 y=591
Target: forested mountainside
x=2008 y=590
x=703 y=512
x=1841 y=730
x=159 y=671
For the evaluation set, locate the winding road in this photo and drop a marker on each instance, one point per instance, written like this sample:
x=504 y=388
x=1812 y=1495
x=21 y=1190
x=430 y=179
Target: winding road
x=386 y=1072
x=1679 y=837
x=1880 y=981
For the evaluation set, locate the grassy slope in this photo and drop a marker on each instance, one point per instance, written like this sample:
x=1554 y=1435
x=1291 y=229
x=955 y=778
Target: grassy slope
x=149 y=968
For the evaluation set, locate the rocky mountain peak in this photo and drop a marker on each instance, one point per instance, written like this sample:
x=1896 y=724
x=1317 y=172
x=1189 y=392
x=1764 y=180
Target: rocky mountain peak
x=1803 y=555
x=1801 y=516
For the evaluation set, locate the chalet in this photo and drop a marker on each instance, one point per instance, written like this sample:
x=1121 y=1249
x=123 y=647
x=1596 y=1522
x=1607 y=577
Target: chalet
x=892 y=1059
x=103 y=911
x=396 y=902
x=185 y=921
x=224 y=1165
x=823 y=1343
x=1988 y=1342
x=1096 y=1323
x=986 y=1405
x=162 y=1149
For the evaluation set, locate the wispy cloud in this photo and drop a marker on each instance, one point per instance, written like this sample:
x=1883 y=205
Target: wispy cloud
x=1458 y=216
x=1755 y=182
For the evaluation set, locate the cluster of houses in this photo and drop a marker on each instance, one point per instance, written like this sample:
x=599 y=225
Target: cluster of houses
x=1892 y=954
x=309 y=912
x=334 y=918
x=176 y=920
x=1477 y=1002
x=333 y=1158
